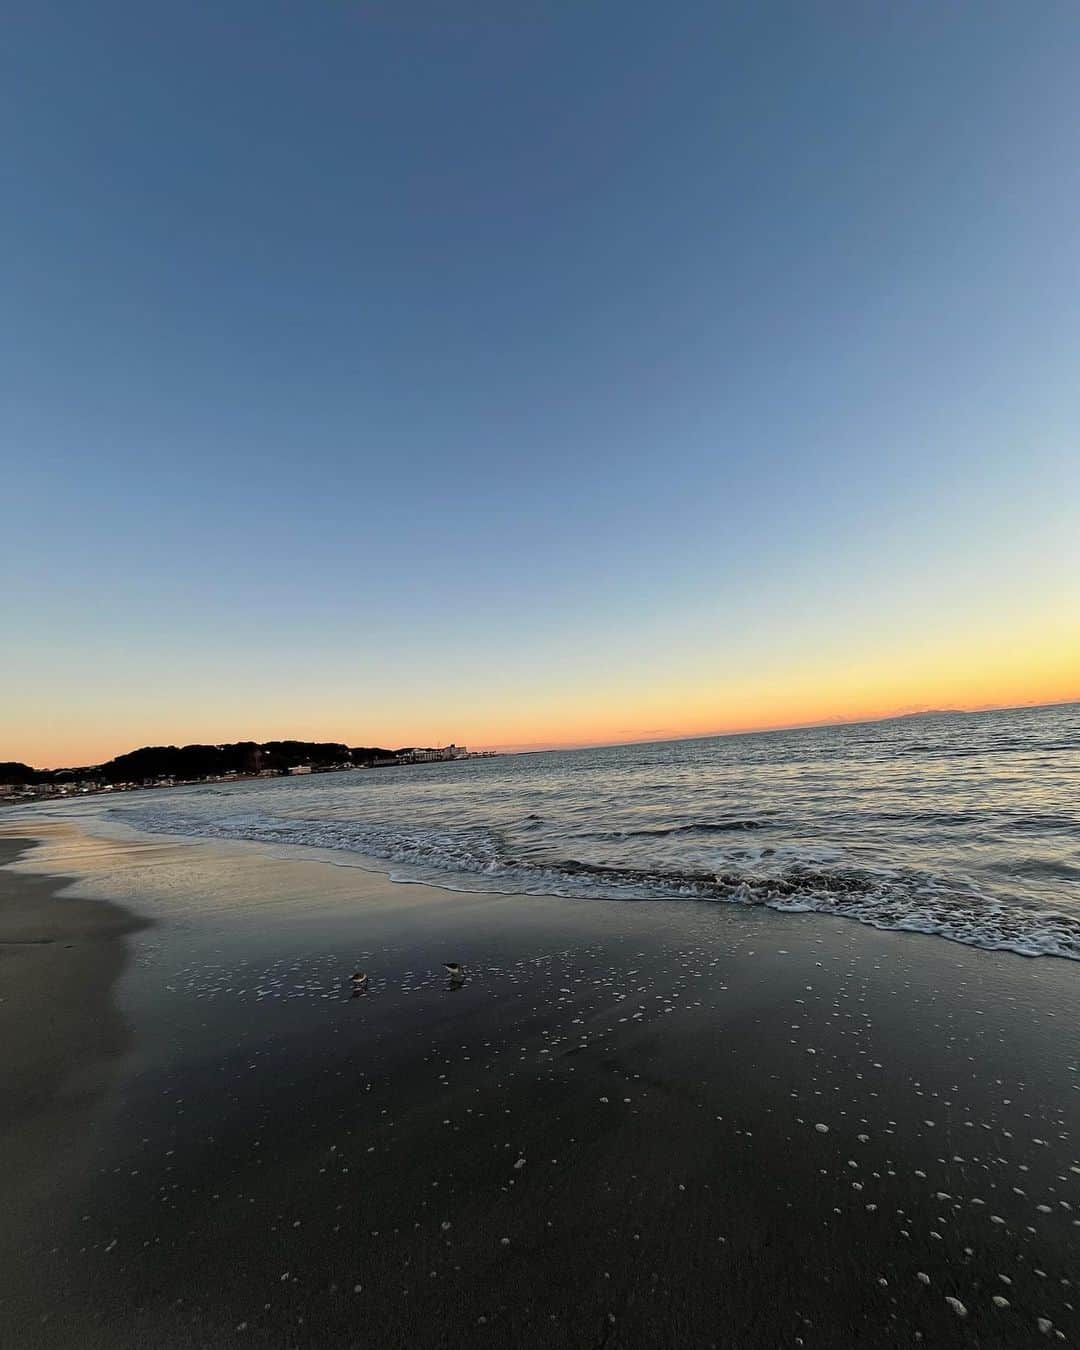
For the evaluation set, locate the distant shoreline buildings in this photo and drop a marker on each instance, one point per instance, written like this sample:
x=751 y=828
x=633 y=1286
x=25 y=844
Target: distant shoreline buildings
x=172 y=766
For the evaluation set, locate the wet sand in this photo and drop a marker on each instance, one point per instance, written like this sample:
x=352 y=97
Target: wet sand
x=654 y=1124
x=60 y=1041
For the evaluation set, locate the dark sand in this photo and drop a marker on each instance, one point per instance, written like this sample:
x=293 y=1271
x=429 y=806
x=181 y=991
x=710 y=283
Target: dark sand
x=607 y=1137
x=60 y=1040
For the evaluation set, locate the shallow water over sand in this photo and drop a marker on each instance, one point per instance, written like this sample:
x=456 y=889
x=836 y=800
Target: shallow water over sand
x=967 y=826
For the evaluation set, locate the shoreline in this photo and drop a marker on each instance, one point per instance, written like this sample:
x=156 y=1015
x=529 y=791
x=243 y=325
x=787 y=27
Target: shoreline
x=61 y=1033
x=1058 y=938
x=608 y=1136
x=77 y=788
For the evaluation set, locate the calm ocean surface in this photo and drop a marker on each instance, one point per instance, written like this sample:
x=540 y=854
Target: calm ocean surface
x=967 y=826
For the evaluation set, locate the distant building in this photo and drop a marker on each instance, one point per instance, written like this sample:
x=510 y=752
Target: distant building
x=428 y=754
x=432 y=754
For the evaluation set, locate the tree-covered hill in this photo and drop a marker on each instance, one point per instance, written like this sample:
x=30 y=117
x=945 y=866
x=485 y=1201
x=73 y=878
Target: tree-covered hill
x=152 y=762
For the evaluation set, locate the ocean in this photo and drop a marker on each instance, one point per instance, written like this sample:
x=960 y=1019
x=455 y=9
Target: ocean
x=962 y=825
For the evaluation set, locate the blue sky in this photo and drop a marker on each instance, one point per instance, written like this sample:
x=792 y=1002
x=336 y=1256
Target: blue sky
x=544 y=372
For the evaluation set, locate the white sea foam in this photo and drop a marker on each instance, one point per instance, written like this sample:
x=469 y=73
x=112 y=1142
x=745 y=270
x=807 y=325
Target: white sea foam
x=810 y=878
x=961 y=827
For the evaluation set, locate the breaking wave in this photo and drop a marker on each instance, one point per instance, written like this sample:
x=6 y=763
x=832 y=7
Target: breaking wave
x=789 y=879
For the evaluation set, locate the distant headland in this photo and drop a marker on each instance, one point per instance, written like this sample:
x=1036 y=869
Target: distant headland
x=172 y=765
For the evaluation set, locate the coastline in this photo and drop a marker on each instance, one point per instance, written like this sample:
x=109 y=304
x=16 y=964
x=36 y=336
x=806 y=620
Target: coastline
x=61 y=1036
x=608 y=1136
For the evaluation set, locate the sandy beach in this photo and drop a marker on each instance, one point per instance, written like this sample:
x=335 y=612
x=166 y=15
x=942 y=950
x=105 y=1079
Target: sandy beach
x=61 y=1039
x=635 y=1124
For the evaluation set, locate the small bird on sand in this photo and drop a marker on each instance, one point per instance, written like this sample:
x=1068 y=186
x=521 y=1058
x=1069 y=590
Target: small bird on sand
x=455 y=970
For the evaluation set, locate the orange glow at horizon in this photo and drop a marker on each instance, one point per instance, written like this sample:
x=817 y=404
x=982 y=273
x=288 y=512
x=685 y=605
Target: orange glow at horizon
x=860 y=694
x=1023 y=674
x=783 y=715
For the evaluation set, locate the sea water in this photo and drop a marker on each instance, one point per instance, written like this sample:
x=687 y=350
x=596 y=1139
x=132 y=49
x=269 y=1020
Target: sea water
x=961 y=825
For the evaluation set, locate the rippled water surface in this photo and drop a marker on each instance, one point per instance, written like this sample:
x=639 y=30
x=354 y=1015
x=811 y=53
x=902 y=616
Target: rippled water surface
x=962 y=825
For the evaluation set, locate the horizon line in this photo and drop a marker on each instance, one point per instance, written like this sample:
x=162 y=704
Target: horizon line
x=542 y=747
x=548 y=747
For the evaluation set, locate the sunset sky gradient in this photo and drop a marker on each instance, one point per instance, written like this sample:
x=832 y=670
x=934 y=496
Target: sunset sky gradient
x=547 y=374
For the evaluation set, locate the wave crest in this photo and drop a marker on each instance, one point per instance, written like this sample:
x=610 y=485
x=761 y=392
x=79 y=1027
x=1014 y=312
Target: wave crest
x=477 y=859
